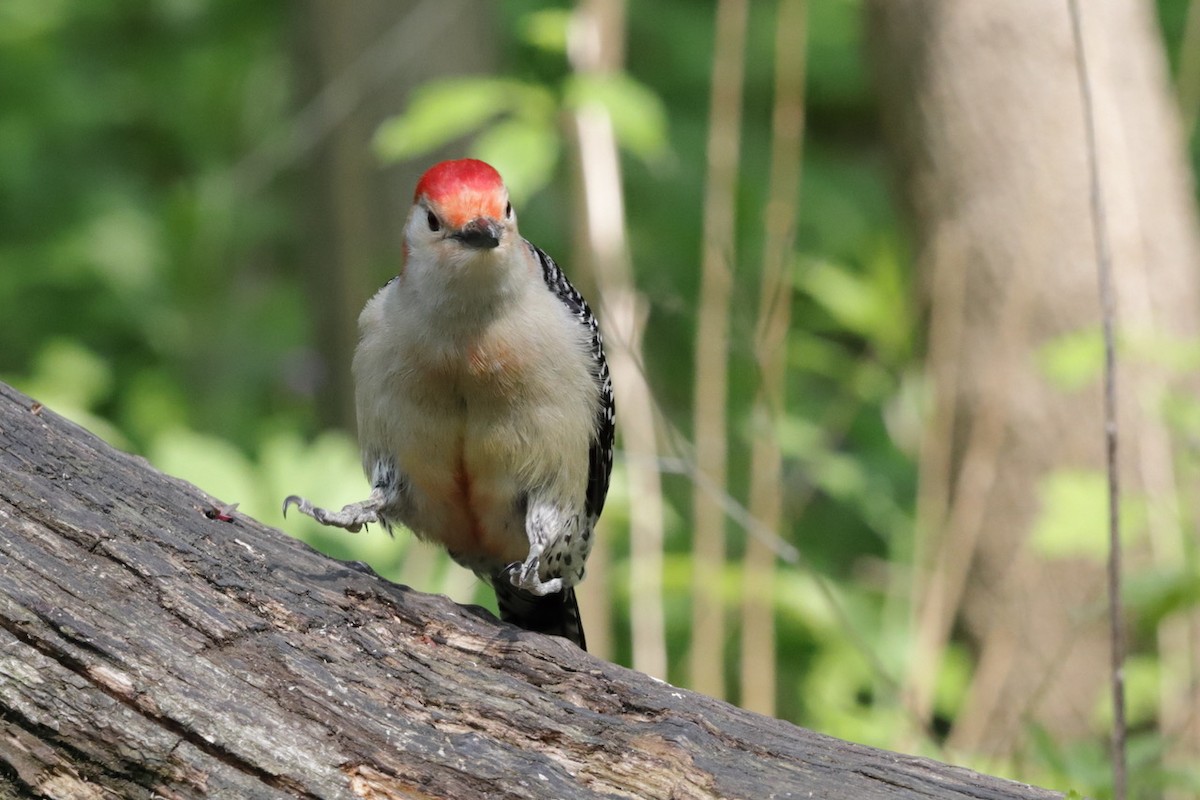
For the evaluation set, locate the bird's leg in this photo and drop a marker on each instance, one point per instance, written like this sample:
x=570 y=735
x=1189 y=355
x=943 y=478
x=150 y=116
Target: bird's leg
x=542 y=522
x=352 y=517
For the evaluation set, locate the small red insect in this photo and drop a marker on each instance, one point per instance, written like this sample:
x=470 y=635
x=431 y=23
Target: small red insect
x=222 y=513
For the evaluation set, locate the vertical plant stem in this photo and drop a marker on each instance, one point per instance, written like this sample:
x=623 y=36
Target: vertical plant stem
x=597 y=45
x=1107 y=303
x=770 y=350
x=707 y=661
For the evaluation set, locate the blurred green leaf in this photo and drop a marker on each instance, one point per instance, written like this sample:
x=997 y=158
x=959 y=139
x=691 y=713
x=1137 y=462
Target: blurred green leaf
x=523 y=150
x=1157 y=594
x=802 y=438
x=873 y=305
x=1179 y=355
x=546 y=29
x=65 y=373
x=849 y=298
x=123 y=246
x=1084 y=764
x=1142 y=695
x=441 y=112
x=1073 y=521
x=154 y=404
x=1181 y=410
x=145 y=280
x=839 y=695
x=212 y=463
x=638 y=116
x=1072 y=360
x=27 y=19
x=954 y=681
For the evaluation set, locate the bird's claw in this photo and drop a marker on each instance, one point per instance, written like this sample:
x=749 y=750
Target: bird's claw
x=524 y=575
x=291 y=500
x=352 y=518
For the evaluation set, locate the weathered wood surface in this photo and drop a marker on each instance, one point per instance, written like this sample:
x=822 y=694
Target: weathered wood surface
x=147 y=650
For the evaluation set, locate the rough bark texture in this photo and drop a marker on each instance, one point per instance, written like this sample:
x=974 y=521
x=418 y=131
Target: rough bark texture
x=147 y=649
x=981 y=102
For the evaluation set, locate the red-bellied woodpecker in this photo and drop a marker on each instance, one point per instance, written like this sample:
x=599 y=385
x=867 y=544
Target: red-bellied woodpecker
x=485 y=407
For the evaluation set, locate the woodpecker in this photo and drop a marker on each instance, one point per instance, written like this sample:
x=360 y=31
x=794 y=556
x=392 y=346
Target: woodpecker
x=485 y=407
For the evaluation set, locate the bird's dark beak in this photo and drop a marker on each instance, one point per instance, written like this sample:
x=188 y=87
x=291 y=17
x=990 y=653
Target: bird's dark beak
x=481 y=233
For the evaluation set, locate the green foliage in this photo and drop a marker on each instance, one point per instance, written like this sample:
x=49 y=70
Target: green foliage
x=1073 y=360
x=151 y=294
x=1155 y=595
x=73 y=381
x=545 y=29
x=1074 y=516
x=638 y=115
x=447 y=109
x=516 y=124
x=522 y=144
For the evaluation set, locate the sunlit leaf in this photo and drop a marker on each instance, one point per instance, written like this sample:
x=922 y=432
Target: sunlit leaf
x=1142 y=679
x=546 y=29
x=523 y=150
x=153 y=404
x=67 y=373
x=27 y=19
x=638 y=117
x=799 y=437
x=1181 y=409
x=1155 y=595
x=847 y=297
x=441 y=112
x=1074 y=516
x=212 y=463
x=841 y=475
x=123 y=246
x=1175 y=353
x=1073 y=359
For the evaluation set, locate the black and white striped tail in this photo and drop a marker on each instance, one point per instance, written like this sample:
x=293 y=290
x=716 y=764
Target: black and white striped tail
x=556 y=614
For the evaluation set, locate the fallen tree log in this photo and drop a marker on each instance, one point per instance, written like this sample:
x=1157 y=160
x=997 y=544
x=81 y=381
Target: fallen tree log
x=150 y=647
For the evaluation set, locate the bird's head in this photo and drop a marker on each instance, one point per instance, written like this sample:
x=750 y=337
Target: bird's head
x=460 y=212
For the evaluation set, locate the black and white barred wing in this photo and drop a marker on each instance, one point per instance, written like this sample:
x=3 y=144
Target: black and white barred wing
x=600 y=455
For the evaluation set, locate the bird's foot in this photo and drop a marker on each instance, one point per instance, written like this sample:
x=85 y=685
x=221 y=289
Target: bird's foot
x=524 y=575
x=352 y=517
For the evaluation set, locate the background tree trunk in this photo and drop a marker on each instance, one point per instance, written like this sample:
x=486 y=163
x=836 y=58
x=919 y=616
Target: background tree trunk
x=981 y=103
x=361 y=60
x=156 y=644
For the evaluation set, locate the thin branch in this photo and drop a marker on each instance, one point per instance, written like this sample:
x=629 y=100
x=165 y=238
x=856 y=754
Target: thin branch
x=1108 y=310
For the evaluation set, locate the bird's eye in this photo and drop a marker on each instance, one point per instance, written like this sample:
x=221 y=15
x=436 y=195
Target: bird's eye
x=432 y=219
x=508 y=211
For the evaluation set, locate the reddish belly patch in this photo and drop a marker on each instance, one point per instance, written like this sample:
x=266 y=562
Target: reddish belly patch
x=475 y=532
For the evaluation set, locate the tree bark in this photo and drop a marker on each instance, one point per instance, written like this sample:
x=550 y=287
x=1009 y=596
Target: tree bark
x=151 y=648
x=982 y=107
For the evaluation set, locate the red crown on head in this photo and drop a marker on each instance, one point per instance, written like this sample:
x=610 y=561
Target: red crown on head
x=463 y=189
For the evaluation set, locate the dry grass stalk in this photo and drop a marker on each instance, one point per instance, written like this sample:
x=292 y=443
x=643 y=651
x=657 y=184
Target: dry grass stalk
x=770 y=350
x=597 y=45
x=707 y=661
